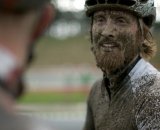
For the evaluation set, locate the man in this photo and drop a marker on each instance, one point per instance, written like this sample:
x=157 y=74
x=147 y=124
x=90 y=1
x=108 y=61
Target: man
x=128 y=96
x=21 y=23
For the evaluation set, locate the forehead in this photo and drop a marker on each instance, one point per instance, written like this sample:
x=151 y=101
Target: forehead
x=115 y=13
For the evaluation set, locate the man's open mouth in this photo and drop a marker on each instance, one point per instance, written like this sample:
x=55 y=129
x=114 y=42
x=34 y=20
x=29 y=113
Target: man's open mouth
x=108 y=46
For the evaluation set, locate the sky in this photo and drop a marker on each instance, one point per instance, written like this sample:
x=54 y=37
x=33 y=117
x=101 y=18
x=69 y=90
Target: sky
x=78 y=5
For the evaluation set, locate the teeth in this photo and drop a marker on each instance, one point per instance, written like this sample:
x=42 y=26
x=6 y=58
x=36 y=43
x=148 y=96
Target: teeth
x=108 y=45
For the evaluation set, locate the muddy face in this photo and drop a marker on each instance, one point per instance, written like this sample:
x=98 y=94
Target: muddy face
x=115 y=39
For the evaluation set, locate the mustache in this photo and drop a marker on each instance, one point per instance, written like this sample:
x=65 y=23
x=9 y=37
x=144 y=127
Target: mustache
x=105 y=40
x=101 y=40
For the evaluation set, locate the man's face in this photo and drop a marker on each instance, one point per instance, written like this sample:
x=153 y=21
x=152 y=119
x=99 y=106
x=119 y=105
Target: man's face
x=114 y=39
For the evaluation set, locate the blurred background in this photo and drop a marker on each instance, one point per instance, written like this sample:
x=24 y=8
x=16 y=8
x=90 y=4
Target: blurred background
x=59 y=80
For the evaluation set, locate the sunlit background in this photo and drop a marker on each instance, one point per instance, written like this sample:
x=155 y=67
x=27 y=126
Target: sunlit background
x=61 y=76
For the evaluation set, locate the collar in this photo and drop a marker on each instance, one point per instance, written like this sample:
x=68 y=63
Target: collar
x=142 y=68
x=134 y=71
x=113 y=86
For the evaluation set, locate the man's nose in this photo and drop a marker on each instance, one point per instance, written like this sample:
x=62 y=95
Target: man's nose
x=109 y=31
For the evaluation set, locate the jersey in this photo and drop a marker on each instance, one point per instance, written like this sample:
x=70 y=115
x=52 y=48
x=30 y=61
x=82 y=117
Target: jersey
x=131 y=104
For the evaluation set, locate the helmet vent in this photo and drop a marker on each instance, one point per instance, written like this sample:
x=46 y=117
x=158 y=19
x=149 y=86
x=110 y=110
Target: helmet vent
x=112 y=1
x=101 y=1
x=91 y=2
x=122 y=2
x=127 y=2
x=143 y=1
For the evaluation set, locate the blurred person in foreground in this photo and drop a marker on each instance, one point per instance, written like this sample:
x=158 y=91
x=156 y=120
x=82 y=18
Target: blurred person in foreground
x=128 y=96
x=21 y=23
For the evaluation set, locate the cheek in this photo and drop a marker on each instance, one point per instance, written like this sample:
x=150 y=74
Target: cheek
x=125 y=38
x=132 y=48
x=95 y=34
x=134 y=27
x=96 y=29
x=133 y=31
x=93 y=30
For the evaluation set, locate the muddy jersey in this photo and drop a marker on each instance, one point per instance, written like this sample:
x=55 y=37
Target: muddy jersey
x=131 y=104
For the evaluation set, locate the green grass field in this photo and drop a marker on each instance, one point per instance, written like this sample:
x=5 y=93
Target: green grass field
x=52 y=97
x=74 y=50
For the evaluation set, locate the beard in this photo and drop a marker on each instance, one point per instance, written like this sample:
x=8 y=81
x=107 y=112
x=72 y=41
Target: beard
x=110 y=61
x=114 y=59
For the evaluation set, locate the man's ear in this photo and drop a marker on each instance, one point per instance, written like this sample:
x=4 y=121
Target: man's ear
x=45 y=21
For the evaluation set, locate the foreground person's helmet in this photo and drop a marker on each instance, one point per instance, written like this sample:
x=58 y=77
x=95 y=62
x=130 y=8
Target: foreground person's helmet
x=142 y=8
x=21 y=5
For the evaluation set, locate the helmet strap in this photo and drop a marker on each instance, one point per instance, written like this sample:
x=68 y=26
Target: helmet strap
x=141 y=32
x=141 y=27
x=44 y=21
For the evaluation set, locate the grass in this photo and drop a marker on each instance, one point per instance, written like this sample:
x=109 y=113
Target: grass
x=74 y=50
x=52 y=97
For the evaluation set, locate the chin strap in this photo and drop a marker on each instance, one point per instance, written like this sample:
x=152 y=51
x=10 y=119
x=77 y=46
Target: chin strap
x=141 y=29
x=141 y=26
x=45 y=20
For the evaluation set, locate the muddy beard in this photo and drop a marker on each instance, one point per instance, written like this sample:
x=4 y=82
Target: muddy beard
x=109 y=62
x=117 y=60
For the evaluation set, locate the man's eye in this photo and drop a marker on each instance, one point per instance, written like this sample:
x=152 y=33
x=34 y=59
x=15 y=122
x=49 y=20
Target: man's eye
x=121 y=20
x=99 y=19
